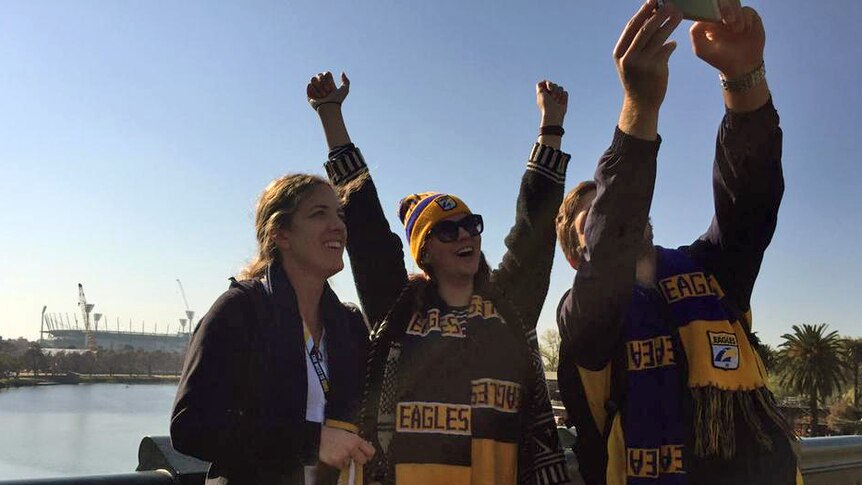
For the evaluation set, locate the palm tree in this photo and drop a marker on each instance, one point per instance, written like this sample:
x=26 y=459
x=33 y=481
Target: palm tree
x=811 y=364
x=853 y=360
x=767 y=353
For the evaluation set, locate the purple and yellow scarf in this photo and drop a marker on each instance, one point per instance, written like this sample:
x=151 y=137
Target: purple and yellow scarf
x=686 y=336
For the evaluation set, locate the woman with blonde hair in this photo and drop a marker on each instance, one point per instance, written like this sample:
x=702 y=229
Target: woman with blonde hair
x=456 y=392
x=274 y=371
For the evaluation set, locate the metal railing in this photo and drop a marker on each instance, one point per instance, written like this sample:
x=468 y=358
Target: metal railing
x=834 y=460
x=158 y=464
x=160 y=477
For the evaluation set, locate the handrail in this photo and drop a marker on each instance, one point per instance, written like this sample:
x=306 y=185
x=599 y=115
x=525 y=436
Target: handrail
x=835 y=460
x=154 y=477
x=832 y=460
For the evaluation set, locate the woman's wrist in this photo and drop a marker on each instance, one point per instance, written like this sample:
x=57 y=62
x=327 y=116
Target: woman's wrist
x=550 y=120
x=329 y=110
x=748 y=100
x=551 y=138
x=333 y=124
x=552 y=141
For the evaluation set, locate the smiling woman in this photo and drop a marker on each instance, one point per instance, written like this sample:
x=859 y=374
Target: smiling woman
x=456 y=392
x=276 y=209
x=273 y=374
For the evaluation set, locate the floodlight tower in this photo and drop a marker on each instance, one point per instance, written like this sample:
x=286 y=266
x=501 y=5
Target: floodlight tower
x=86 y=308
x=189 y=313
x=42 y=327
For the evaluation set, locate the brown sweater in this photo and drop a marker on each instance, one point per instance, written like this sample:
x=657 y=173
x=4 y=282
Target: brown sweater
x=447 y=376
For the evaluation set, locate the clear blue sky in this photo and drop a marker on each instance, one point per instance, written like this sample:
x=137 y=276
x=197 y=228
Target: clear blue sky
x=135 y=137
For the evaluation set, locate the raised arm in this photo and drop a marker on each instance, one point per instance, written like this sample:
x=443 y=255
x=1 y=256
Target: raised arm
x=524 y=273
x=376 y=254
x=748 y=183
x=591 y=316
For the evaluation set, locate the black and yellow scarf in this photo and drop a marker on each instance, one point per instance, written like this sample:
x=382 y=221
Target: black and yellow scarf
x=453 y=397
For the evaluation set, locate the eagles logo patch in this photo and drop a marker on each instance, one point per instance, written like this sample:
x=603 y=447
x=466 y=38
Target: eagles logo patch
x=725 y=350
x=446 y=203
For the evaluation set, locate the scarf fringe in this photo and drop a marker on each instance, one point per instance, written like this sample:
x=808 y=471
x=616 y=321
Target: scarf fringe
x=714 y=423
x=768 y=404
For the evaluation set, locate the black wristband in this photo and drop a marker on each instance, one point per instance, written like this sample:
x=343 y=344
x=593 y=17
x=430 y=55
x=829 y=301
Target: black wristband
x=326 y=102
x=554 y=130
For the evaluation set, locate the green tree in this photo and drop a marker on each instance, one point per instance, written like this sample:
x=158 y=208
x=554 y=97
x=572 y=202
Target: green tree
x=769 y=356
x=811 y=364
x=109 y=360
x=843 y=418
x=549 y=348
x=5 y=364
x=35 y=359
x=16 y=365
x=853 y=361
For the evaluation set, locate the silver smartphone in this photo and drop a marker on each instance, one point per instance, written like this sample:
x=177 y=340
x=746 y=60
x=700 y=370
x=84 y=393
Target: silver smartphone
x=707 y=10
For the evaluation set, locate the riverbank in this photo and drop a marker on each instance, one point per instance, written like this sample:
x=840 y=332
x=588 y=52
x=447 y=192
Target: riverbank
x=30 y=381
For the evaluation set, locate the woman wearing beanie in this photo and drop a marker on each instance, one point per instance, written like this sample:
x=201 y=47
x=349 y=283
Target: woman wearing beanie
x=455 y=392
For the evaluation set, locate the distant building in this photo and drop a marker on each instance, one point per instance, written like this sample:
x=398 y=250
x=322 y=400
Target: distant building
x=76 y=339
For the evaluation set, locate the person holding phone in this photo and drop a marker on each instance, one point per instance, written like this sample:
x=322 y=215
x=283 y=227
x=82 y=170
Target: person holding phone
x=456 y=392
x=271 y=387
x=658 y=366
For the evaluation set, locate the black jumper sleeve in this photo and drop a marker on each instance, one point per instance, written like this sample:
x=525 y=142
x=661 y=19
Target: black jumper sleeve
x=591 y=315
x=748 y=185
x=524 y=273
x=376 y=253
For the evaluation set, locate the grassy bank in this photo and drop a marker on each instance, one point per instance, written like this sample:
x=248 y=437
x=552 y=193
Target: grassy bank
x=29 y=381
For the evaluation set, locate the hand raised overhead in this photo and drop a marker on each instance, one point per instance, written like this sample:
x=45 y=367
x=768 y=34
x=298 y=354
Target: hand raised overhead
x=642 y=55
x=321 y=90
x=735 y=46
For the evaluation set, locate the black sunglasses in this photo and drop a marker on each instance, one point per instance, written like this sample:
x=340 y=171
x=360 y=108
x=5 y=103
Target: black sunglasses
x=447 y=231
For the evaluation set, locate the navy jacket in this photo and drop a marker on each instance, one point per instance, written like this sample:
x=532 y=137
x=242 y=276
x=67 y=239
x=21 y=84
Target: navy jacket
x=241 y=401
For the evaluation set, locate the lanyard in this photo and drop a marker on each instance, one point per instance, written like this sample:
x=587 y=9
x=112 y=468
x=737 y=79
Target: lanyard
x=316 y=360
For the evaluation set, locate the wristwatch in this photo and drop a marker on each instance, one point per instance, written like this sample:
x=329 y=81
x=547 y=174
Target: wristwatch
x=744 y=82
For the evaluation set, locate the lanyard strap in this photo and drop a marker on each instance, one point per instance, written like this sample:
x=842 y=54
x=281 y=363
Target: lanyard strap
x=316 y=361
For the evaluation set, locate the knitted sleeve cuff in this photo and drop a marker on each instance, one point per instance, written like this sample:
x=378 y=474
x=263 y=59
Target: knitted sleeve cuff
x=549 y=162
x=766 y=117
x=345 y=164
x=625 y=144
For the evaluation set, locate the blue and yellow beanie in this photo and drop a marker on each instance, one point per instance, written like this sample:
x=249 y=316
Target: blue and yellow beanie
x=420 y=212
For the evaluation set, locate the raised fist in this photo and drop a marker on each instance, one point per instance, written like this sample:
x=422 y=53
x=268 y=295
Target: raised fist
x=321 y=90
x=552 y=101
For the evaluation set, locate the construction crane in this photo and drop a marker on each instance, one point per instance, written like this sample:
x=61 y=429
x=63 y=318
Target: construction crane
x=86 y=308
x=190 y=314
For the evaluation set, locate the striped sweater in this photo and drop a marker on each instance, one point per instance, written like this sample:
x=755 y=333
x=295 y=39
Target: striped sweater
x=457 y=395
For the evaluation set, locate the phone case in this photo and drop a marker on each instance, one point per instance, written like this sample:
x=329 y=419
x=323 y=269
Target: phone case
x=706 y=10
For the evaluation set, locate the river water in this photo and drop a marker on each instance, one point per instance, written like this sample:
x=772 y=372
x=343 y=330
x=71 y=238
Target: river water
x=73 y=430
